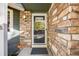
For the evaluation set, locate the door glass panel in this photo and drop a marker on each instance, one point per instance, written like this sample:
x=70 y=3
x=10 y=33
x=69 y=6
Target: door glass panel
x=39 y=29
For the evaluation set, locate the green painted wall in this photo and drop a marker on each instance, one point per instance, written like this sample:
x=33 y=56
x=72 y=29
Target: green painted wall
x=12 y=43
x=16 y=19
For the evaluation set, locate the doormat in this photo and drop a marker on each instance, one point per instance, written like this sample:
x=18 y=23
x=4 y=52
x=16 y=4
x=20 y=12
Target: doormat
x=39 y=51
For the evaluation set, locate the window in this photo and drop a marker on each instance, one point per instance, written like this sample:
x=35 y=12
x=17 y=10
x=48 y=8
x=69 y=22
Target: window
x=10 y=20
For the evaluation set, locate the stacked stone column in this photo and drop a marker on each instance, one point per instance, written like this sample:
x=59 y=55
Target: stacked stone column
x=26 y=28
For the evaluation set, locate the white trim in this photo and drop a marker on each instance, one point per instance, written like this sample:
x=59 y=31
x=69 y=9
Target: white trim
x=17 y=6
x=3 y=31
x=11 y=19
x=44 y=44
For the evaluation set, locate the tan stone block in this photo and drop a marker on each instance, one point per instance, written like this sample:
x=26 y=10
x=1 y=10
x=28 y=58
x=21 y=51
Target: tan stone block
x=62 y=52
x=76 y=8
x=64 y=23
x=54 y=49
x=65 y=36
x=58 y=54
x=72 y=15
x=62 y=41
x=75 y=22
x=73 y=30
x=61 y=7
x=50 y=43
x=54 y=12
x=65 y=49
x=55 y=22
x=63 y=13
x=54 y=19
x=74 y=4
x=73 y=44
x=27 y=40
x=75 y=36
x=28 y=43
x=75 y=52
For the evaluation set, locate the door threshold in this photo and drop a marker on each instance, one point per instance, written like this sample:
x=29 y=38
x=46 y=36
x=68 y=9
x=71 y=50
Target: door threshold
x=37 y=46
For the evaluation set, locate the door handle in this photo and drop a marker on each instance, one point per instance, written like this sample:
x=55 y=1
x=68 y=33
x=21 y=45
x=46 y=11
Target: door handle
x=0 y=27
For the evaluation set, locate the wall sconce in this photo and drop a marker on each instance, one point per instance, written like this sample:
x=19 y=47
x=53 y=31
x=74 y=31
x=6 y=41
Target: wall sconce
x=24 y=17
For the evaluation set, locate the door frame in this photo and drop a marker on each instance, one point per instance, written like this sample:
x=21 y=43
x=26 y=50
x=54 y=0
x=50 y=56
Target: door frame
x=42 y=44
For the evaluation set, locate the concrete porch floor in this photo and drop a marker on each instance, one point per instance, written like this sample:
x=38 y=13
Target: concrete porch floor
x=27 y=52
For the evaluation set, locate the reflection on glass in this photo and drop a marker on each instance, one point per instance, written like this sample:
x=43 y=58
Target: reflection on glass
x=39 y=29
x=8 y=21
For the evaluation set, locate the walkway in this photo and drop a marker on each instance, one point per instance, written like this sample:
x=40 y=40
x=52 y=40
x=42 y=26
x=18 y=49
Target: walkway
x=27 y=52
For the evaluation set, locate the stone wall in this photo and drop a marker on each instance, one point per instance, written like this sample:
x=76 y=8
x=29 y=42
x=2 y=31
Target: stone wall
x=63 y=29
x=26 y=29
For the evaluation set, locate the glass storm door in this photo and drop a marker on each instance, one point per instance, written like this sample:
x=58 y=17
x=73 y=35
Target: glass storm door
x=39 y=29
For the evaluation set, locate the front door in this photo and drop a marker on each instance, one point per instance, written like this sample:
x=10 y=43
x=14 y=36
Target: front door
x=39 y=37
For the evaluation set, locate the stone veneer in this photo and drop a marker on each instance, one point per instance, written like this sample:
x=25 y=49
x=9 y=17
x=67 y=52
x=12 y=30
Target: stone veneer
x=26 y=28
x=63 y=29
